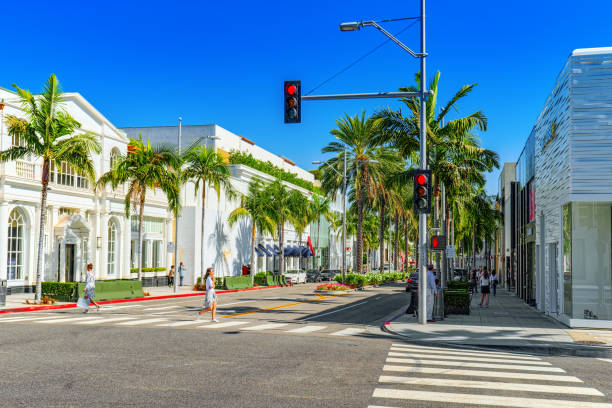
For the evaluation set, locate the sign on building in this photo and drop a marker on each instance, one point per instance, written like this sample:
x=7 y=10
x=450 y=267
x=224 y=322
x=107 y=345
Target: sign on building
x=451 y=252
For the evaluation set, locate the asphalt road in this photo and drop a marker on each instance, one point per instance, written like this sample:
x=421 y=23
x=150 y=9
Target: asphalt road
x=272 y=348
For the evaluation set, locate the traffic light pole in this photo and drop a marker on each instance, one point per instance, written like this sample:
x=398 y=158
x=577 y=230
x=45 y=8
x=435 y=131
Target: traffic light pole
x=423 y=166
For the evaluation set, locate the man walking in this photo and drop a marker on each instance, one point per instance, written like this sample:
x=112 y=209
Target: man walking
x=181 y=272
x=431 y=291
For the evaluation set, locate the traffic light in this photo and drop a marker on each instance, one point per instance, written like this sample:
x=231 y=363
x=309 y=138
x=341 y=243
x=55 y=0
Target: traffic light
x=293 y=101
x=437 y=243
x=422 y=191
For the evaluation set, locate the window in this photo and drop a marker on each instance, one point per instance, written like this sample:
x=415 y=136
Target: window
x=113 y=157
x=67 y=211
x=111 y=266
x=145 y=246
x=15 y=246
x=66 y=176
x=133 y=254
x=157 y=245
x=149 y=225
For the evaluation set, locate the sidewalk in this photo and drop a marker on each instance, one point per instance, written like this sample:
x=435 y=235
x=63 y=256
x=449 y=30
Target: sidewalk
x=508 y=322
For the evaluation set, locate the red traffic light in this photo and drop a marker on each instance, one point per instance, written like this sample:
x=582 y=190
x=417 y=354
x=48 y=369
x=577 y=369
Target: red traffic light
x=434 y=242
x=421 y=179
x=291 y=89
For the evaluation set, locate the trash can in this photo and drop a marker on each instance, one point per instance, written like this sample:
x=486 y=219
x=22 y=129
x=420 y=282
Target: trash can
x=3 y=292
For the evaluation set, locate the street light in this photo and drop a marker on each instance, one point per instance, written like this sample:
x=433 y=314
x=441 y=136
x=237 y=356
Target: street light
x=176 y=218
x=354 y=26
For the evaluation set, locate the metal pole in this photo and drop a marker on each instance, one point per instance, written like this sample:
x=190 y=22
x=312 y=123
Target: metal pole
x=423 y=165
x=176 y=222
x=344 y=219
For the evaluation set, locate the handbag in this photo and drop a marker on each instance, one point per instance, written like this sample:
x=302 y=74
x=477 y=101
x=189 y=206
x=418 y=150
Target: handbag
x=83 y=303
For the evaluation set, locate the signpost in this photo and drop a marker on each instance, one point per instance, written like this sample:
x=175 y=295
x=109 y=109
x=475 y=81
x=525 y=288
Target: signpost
x=451 y=252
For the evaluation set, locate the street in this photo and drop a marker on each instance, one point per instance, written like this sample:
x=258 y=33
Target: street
x=282 y=347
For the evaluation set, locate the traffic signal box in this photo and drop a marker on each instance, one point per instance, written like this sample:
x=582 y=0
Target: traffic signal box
x=293 y=101
x=422 y=191
x=437 y=243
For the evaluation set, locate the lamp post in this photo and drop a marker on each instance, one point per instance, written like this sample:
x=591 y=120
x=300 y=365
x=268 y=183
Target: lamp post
x=176 y=218
x=354 y=26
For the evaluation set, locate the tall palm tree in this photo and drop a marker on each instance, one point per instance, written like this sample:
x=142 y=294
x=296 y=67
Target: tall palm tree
x=206 y=168
x=320 y=207
x=366 y=161
x=302 y=215
x=254 y=207
x=279 y=204
x=145 y=167
x=47 y=132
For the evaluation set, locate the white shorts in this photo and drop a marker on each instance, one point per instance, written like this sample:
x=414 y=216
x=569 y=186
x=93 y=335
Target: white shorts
x=211 y=296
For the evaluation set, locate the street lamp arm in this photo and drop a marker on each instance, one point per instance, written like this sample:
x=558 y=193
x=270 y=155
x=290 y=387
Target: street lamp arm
x=392 y=38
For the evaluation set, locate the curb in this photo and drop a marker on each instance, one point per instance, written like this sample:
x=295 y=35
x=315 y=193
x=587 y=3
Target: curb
x=107 y=302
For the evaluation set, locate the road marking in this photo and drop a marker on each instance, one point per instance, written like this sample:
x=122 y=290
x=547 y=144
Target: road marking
x=164 y=313
x=70 y=320
x=478 y=373
x=607 y=360
x=306 y=329
x=334 y=311
x=224 y=324
x=266 y=326
x=351 y=331
x=119 y=307
x=180 y=323
x=499 y=359
x=490 y=385
x=473 y=365
x=144 y=321
x=24 y=318
x=463 y=353
x=470 y=352
x=160 y=308
x=283 y=306
x=235 y=303
x=108 y=320
x=489 y=400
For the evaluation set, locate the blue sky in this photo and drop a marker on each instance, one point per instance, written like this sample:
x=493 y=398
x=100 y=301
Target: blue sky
x=146 y=63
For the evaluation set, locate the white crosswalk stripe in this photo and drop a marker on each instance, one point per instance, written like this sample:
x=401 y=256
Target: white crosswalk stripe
x=108 y=320
x=221 y=325
x=351 y=331
x=71 y=320
x=267 y=326
x=23 y=318
x=180 y=323
x=159 y=308
x=466 y=373
x=142 y=321
x=306 y=329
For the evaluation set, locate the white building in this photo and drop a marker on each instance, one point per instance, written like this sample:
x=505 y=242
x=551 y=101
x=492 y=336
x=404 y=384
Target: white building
x=228 y=249
x=81 y=226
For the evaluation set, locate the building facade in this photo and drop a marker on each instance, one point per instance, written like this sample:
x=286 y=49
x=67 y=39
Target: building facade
x=81 y=226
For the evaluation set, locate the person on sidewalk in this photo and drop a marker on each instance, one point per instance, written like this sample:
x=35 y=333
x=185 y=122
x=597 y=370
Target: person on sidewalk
x=90 y=287
x=210 y=300
x=181 y=273
x=474 y=280
x=171 y=277
x=494 y=281
x=431 y=292
x=484 y=288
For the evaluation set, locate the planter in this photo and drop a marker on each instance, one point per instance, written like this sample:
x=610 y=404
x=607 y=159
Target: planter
x=334 y=292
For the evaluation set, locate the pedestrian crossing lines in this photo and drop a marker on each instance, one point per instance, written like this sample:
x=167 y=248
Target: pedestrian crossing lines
x=415 y=374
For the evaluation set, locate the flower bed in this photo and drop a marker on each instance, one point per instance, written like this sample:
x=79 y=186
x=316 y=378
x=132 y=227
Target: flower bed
x=334 y=287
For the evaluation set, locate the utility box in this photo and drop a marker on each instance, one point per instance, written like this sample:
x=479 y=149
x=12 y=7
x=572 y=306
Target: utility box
x=3 y=289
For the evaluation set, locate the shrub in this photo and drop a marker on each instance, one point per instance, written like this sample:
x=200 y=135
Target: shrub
x=334 y=286
x=219 y=283
x=260 y=279
x=463 y=284
x=456 y=301
x=155 y=269
x=62 y=291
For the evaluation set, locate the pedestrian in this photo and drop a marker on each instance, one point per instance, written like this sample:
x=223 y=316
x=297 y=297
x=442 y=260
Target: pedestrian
x=494 y=281
x=171 y=276
x=90 y=287
x=431 y=292
x=484 y=288
x=181 y=272
x=474 y=280
x=210 y=300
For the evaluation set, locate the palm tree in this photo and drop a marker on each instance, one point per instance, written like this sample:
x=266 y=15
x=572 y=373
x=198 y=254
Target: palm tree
x=279 y=205
x=47 y=132
x=145 y=168
x=366 y=162
x=320 y=208
x=206 y=167
x=254 y=207
x=302 y=215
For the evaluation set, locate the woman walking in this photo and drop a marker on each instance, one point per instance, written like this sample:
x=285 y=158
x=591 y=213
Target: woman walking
x=474 y=280
x=494 y=281
x=485 y=288
x=90 y=288
x=171 y=277
x=210 y=300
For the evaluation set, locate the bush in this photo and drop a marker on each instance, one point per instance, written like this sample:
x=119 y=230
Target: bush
x=260 y=279
x=62 y=291
x=463 y=284
x=456 y=301
x=219 y=283
x=238 y=282
x=156 y=269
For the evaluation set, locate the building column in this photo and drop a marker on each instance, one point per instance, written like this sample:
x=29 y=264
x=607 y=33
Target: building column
x=78 y=261
x=3 y=239
x=32 y=243
x=127 y=249
x=62 y=259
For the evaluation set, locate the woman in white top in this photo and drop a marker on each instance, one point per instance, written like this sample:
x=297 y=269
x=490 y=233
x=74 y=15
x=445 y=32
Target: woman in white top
x=210 y=300
x=90 y=287
x=485 y=283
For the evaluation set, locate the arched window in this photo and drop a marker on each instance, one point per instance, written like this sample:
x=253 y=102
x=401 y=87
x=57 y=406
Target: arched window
x=111 y=267
x=15 y=245
x=113 y=156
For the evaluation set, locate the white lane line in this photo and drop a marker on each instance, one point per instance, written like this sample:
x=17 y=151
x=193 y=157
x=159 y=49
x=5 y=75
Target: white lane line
x=306 y=329
x=159 y=308
x=490 y=385
x=351 y=331
x=164 y=313
x=234 y=303
x=119 y=307
x=500 y=353
x=473 y=365
x=470 y=358
x=489 y=400
x=25 y=318
x=334 y=311
x=180 y=323
x=108 y=320
x=607 y=360
x=267 y=326
x=77 y=319
x=463 y=353
x=478 y=373
x=224 y=324
x=144 y=321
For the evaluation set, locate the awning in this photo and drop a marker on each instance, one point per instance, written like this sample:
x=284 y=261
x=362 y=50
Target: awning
x=259 y=252
x=305 y=252
x=264 y=250
x=292 y=251
x=277 y=250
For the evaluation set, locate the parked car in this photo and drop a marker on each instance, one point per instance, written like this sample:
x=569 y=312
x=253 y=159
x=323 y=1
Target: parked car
x=296 y=276
x=313 y=275
x=329 y=274
x=463 y=273
x=412 y=283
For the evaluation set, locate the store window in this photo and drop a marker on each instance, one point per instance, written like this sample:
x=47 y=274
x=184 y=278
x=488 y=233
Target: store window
x=567 y=259
x=157 y=245
x=111 y=265
x=15 y=245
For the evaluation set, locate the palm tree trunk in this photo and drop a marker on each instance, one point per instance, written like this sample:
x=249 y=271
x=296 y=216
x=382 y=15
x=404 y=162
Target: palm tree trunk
x=406 y=249
x=318 y=240
x=281 y=239
x=203 y=243
x=140 y=220
x=381 y=234
x=41 y=230
x=396 y=244
x=359 y=230
x=252 y=269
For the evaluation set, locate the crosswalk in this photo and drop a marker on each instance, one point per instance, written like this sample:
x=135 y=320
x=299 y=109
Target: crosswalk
x=414 y=375
x=154 y=320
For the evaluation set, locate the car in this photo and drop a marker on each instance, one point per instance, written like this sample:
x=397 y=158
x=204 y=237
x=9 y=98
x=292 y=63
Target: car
x=329 y=274
x=313 y=275
x=462 y=273
x=412 y=283
x=296 y=276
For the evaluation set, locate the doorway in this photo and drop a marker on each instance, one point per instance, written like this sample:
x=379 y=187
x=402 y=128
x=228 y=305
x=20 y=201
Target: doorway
x=70 y=263
x=553 y=277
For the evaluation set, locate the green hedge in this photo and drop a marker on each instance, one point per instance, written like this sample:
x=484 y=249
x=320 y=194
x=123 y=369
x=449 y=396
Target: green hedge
x=260 y=279
x=238 y=282
x=219 y=282
x=156 y=269
x=114 y=289
x=463 y=284
x=456 y=301
x=60 y=291
x=358 y=280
